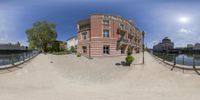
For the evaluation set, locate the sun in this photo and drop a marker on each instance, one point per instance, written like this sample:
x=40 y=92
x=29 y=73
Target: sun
x=184 y=20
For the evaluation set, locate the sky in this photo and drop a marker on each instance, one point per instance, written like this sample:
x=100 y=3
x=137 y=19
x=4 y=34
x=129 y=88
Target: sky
x=177 y=19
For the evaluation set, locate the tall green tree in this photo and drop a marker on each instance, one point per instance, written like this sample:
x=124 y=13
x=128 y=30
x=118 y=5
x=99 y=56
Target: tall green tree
x=41 y=34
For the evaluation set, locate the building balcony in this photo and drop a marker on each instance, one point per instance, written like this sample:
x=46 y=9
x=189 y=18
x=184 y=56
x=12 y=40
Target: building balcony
x=122 y=42
x=84 y=25
x=121 y=31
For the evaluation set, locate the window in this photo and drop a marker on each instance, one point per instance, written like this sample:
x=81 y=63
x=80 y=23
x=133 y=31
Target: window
x=105 y=33
x=122 y=26
x=84 y=35
x=106 y=22
x=106 y=16
x=84 y=49
x=106 y=49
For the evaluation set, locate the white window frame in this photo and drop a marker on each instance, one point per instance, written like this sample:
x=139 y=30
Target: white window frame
x=108 y=33
x=82 y=37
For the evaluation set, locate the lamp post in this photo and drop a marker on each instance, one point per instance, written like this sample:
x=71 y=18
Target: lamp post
x=143 y=33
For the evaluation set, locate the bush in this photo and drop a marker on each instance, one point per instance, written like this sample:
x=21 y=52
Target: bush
x=78 y=55
x=60 y=53
x=129 y=60
x=72 y=49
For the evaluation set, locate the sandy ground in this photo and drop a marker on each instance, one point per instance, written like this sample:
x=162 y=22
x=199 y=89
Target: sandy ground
x=66 y=77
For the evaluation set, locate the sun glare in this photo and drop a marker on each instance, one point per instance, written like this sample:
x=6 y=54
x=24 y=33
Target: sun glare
x=184 y=20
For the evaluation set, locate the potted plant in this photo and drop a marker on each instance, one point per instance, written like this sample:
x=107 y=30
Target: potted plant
x=78 y=55
x=129 y=60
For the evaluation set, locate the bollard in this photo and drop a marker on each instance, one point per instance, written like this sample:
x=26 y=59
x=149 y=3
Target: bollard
x=183 y=60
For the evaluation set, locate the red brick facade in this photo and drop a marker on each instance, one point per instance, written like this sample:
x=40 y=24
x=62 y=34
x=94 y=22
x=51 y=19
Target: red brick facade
x=98 y=36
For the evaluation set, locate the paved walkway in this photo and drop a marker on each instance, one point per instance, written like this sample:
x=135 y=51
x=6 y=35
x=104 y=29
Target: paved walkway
x=49 y=77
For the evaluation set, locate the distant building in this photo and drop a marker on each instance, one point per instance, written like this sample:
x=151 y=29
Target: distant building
x=72 y=41
x=165 y=45
x=190 y=46
x=10 y=46
x=196 y=46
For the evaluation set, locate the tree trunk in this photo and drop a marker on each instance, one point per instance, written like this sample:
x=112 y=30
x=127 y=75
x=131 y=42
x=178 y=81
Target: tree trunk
x=44 y=47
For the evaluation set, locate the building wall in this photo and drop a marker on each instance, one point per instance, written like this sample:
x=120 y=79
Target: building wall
x=95 y=40
x=72 y=42
x=10 y=46
x=196 y=46
x=166 y=44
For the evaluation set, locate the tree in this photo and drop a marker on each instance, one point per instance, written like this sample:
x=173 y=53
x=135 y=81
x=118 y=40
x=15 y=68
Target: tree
x=41 y=34
x=72 y=49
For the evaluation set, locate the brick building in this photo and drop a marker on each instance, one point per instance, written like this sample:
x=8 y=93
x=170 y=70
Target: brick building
x=106 y=35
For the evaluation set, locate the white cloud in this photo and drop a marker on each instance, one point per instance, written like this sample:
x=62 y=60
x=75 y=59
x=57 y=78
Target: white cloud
x=183 y=30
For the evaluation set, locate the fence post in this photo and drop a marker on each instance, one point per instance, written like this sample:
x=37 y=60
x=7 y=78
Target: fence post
x=193 y=61
x=3 y=60
x=23 y=57
x=174 y=57
x=183 y=60
x=163 y=57
x=12 y=59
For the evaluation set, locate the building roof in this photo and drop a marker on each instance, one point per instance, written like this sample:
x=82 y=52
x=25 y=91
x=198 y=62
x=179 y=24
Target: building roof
x=10 y=46
x=130 y=22
x=197 y=44
x=85 y=21
x=88 y=20
x=71 y=38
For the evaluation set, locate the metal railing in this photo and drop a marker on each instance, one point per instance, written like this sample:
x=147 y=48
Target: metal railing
x=6 y=59
x=180 y=61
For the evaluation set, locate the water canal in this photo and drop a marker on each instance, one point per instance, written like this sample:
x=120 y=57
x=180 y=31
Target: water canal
x=182 y=59
x=12 y=58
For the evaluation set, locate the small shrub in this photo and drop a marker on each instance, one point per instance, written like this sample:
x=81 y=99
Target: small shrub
x=129 y=60
x=78 y=55
x=72 y=49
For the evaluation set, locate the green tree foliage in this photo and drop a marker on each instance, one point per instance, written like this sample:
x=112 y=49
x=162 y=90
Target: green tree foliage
x=41 y=34
x=72 y=49
x=63 y=46
x=56 y=46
